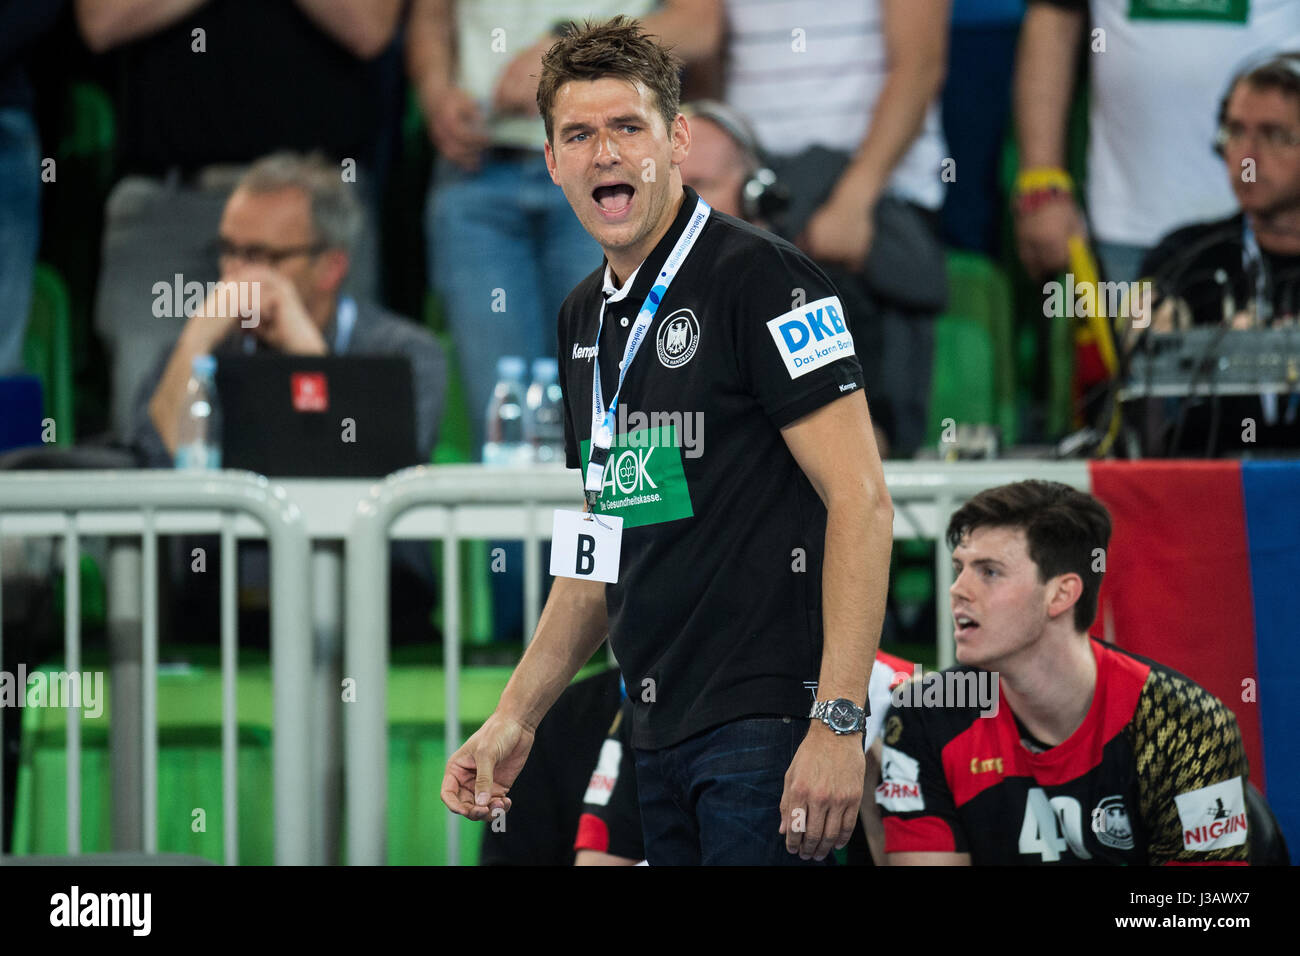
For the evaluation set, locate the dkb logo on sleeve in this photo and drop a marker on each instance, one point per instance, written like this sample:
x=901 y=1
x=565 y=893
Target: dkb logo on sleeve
x=811 y=336
x=644 y=481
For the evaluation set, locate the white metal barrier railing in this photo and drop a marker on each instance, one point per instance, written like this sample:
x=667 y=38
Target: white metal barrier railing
x=131 y=505
x=472 y=502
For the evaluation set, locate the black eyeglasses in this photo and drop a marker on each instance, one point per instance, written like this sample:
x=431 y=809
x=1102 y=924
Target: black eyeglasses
x=1271 y=137
x=264 y=255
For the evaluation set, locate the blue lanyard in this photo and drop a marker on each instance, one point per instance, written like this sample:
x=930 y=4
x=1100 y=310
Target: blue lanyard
x=602 y=419
x=347 y=321
x=1252 y=256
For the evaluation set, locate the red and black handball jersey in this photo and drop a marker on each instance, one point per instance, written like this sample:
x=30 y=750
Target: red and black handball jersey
x=1156 y=774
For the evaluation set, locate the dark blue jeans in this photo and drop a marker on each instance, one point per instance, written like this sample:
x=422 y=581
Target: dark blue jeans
x=20 y=227
x=715 y=798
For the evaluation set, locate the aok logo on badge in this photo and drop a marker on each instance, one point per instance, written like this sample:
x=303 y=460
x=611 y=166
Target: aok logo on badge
x=811 y=336
x=644 y=480
x=629 y=473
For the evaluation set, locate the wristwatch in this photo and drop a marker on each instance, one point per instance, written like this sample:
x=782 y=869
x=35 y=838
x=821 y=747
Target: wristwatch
x=840 y=715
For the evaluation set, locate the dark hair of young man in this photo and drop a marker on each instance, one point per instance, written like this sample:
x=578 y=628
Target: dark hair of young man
x=1066 y=530
x=613 y=48
x=1282 y=73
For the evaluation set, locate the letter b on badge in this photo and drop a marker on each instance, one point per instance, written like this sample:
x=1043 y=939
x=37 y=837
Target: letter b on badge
x=585 y=547
x=586 y=561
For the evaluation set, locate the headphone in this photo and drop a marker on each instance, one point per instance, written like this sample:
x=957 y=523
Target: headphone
x=762 y=196
x=1290 y=62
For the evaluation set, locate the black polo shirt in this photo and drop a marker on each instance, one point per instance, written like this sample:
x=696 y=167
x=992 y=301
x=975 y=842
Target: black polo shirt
x=717 y=612
x=268 y=78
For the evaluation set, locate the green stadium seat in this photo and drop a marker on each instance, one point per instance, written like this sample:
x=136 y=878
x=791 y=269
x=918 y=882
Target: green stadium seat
x=189 y=763
x=47 y=349
x=92 y=130
x=962 y=388
x=979 y=293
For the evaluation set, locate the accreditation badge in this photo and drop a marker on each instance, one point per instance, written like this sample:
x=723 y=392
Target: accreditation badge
x=586 y=546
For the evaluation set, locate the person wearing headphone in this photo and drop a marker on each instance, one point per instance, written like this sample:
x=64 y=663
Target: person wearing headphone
x=1243 y=271
x=725 y=165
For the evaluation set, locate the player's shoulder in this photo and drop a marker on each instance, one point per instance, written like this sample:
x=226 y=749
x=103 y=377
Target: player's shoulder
x=1172 y=246
x=1171 y=693
x=1166 y=698
x=940 y=705
x=739 y=249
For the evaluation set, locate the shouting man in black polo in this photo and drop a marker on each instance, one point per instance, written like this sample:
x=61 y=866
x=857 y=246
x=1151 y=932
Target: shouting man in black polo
x=741 y=579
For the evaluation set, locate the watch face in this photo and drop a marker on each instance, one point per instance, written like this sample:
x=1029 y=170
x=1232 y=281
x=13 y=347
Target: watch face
x=843 y=715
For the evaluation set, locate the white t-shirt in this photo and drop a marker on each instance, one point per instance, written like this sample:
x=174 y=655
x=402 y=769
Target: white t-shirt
x=1155 y=92
x=490 y=33
x=809 y=72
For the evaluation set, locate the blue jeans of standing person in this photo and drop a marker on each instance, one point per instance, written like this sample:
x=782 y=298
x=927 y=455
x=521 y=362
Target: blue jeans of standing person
x=505 y=250
x=715 y=799
x=20 y=230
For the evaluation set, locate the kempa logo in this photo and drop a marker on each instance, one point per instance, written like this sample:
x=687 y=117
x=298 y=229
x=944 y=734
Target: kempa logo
x=55 y=689
x=951 y=688
x=584 y=351
x=1071 y=300
x=677 y=339
x=181 y=299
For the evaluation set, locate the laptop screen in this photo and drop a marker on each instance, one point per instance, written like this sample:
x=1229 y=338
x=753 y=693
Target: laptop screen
x=298 y=416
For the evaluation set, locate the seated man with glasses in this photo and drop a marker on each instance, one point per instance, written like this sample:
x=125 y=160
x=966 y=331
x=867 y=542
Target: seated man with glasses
x=284 y=240
x=283 y=247
x=1243 y=271
x=1246 y=268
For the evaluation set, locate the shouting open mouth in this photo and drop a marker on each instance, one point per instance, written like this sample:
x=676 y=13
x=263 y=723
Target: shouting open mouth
x=614 y=200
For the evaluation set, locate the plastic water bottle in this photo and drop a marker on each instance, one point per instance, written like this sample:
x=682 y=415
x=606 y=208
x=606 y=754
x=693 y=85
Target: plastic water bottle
x=509 y=430
x=546 y=406
x=198 y=442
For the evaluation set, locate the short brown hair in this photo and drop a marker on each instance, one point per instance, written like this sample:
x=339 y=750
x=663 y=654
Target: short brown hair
x=1281 y=73
x=1064 y=528
x=616 y=48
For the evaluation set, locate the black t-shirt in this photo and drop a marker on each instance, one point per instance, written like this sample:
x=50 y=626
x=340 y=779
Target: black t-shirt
x=1202 y=264
x=546 y=798
x=269 y=78
x=717 y=611
x=21 y=25
x=1156 y=774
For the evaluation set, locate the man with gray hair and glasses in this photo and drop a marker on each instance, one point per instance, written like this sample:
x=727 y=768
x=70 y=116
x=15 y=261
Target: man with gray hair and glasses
x=283 y=245
x=286 y=233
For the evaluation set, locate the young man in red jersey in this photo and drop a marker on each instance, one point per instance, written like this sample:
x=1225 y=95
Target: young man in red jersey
x=1094 y=755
